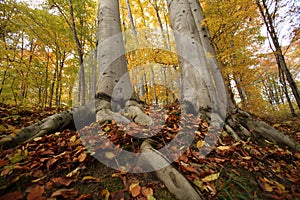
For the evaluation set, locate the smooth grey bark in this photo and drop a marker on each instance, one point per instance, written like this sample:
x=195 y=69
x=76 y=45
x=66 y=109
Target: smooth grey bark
x=203 y=85
x=170 y=176
x=113 y=79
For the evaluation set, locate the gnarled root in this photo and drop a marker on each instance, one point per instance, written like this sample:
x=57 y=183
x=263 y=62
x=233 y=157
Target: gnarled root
x=247 y=125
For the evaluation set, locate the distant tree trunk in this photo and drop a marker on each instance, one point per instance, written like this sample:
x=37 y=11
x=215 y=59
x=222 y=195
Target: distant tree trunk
x=154 y=3
x=282 y=66
x=285 y=90
x=153 y=84
x=133 y=30
x=241 y=91
x=79 y=47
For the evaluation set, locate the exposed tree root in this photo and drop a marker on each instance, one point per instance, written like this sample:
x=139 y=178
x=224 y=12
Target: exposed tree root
x=247 y=125
x=176 y=183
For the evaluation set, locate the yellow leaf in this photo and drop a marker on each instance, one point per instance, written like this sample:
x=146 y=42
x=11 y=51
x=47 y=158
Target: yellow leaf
x=282 y=187
x=211 y=177
x=107 y=128
x=268 y=187
x=200 y=184
x=247 y=157
x=73 y=138
x=200 y=144
x=37 y=139
x=105 y=193
x=91 y=178
x=223 y=148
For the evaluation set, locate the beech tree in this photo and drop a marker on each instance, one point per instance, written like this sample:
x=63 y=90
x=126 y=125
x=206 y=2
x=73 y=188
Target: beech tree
x=203 y=92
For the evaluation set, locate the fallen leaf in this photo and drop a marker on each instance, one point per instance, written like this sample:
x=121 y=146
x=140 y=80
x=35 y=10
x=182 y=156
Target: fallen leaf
x=211 y=177
x=3 y=162
x=65 y=192
x=91 y=179
x=105 y=193
x=66 y=181
x=268 y=187
x=37 y=139
x=223 y=148
x=200 y=144
x=82 y=157
x=12 y=196
x=73 y=173
x=73 y=138
x=47 y=152
x=147 y=191
x=36 y=193
x=135 y=189
x=150 y=197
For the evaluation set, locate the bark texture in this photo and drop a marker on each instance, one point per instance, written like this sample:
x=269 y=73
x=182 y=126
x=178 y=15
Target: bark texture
x=176 y=183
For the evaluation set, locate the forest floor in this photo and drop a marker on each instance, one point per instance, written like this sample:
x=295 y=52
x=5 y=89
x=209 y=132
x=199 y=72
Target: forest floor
x=58 y=166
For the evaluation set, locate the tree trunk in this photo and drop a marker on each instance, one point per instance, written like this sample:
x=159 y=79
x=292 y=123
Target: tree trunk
x=269 y=22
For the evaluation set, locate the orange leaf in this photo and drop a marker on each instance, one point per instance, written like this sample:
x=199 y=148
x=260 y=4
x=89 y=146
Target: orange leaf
x=135 y=189
x=82 y=157
x=147 y=191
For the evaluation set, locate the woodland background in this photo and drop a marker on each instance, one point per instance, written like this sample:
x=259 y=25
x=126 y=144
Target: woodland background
x=44 y=43
x=48 y=64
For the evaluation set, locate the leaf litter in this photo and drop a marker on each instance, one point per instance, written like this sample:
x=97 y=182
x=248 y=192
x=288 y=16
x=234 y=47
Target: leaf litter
x=59 y=166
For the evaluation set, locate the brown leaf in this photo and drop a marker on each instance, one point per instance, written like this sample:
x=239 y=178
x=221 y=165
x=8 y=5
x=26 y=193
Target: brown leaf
x=36 y=193
x=3 y=162
x=51 y=162
x=65 y=193
x=135 y=189
x=49 y=185
x=12 y=196
x=188 y=168
x=117 y=195
x=84 y=196
x=47 y=152
x=66 y=181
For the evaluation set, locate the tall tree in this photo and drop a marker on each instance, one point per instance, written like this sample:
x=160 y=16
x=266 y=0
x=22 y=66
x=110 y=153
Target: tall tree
x=269 y=10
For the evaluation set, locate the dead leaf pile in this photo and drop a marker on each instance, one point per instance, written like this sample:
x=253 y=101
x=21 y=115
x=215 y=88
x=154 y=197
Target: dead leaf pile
x=55 y=165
